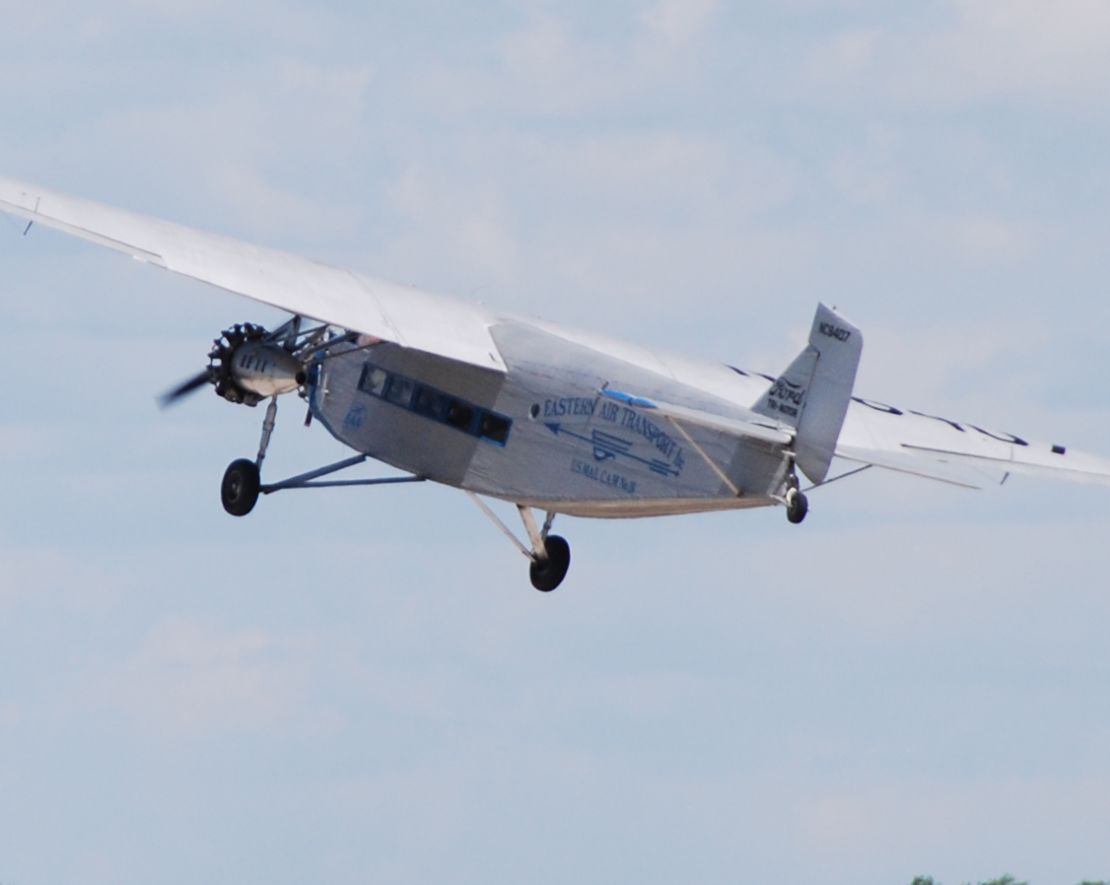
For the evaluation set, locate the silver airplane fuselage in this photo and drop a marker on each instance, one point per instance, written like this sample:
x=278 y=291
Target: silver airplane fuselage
x=540 y=434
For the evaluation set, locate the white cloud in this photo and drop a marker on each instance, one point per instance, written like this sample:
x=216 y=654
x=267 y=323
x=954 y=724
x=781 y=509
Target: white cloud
x=547 y=69
x=869 y=173
x=680 y=21
x=971 y=51
x=1015 y=46
x=75 y=582
x=925 y=820
x=465 y=224
x=193 y=678
x=997 y=239
x=845 y=56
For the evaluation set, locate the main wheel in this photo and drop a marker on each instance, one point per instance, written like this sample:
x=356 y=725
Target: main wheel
x=239 y=490
x=797 y=506
x=547 y=574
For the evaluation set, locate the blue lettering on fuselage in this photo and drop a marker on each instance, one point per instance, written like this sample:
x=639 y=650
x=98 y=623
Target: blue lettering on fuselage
x=669 y=458
x=604 y=476
x=632 y=420
x=563 y=406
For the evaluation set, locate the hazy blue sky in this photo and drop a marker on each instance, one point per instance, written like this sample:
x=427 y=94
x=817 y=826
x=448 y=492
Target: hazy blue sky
x=359 y=686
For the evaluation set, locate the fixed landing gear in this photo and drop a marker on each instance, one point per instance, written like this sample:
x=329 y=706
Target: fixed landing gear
x=549 y=555
x=242 y=480
x=548 y=573
x=240 y=487
x=797 y=506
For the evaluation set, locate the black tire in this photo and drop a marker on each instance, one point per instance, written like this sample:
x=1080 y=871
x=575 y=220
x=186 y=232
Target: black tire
x=798 y=507
x=547 y=574
x=240 y=487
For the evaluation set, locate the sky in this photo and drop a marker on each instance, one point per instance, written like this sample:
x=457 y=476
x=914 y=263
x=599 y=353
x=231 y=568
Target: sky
x=361 y=685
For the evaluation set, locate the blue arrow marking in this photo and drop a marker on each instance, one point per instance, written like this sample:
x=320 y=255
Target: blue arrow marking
x=606 y=447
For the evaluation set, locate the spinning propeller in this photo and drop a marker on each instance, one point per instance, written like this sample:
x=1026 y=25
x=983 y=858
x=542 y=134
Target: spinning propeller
x=171 y=397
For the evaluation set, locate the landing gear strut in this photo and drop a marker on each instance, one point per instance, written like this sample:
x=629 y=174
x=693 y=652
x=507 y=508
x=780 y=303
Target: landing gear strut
x=549 y=556
x=550 y=553
x=242 y=481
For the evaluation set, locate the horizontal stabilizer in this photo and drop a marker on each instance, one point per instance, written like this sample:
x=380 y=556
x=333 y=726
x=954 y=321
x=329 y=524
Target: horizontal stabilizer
x=968 y=476
x=1071 y=466
x=963 y=452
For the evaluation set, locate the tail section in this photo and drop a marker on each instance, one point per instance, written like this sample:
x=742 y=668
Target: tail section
x=812 y=395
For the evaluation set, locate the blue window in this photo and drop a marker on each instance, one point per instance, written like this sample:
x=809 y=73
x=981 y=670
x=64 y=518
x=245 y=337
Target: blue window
x=439 y=406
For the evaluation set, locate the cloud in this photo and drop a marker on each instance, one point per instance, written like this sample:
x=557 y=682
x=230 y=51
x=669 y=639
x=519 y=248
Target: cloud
x=679 y=21
x=468 y=222
x=991 y=238
x=1016 y=47
x=192 y=678
x=924 y=821
x=967 y=52
x=75 y=583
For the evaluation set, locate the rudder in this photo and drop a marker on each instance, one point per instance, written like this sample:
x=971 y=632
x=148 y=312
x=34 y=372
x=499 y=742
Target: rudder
x=813 y=394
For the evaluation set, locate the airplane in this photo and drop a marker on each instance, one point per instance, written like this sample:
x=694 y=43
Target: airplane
x=547 y=418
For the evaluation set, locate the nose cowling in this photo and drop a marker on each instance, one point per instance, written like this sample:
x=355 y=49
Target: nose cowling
x=266 y=370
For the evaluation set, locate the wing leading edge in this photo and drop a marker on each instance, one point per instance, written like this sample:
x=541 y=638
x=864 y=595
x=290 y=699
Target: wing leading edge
x=409 y=317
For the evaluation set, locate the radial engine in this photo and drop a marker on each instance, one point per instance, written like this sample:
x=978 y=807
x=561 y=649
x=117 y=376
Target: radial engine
x=247 y=366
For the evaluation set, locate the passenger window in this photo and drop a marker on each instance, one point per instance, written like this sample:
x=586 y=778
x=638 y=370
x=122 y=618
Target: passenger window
x=428 y=402
x=494 y=427
x=435 y=404
x=400 y=391
x=459 y=415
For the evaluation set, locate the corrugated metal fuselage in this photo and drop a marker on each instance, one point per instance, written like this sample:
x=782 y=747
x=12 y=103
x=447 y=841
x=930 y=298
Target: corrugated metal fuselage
x=539 y=434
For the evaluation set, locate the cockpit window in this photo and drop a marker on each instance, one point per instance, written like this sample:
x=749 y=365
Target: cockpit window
x=373 y=380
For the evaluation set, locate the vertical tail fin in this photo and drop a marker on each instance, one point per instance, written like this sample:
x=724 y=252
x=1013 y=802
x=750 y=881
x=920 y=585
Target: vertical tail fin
x=812 y=395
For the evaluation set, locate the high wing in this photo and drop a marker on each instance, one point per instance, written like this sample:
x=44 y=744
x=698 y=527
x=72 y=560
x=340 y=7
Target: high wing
x=409 y=317
x=956 y=452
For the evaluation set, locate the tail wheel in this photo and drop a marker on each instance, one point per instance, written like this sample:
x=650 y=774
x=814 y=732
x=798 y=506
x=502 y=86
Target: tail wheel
x=797 y=506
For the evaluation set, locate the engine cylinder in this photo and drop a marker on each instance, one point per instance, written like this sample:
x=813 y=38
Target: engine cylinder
x=245 y=366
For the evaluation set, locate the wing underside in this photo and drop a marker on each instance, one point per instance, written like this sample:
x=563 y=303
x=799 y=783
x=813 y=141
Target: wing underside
x=409 y=317
x=957 y=452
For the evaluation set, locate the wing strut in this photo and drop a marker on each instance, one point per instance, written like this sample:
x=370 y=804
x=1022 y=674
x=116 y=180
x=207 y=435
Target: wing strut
x=826 y=482
x=308 y=480
x=27 y=229
x=721 y=475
